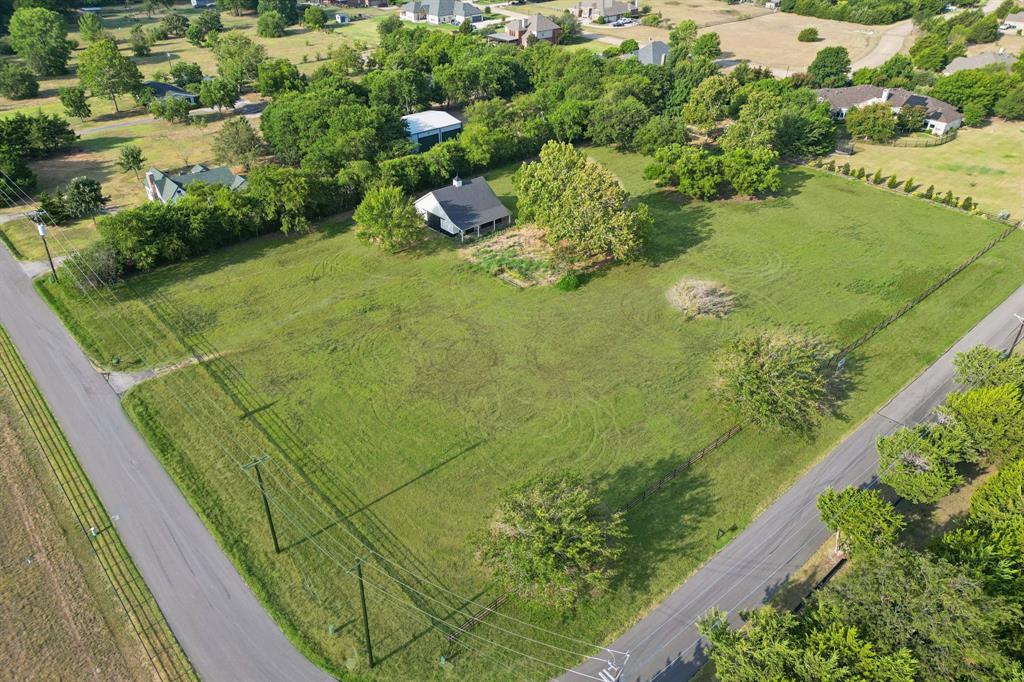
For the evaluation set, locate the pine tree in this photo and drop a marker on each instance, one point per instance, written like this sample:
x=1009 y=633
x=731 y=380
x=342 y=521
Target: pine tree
x=930 y=192
x=967 y=204
x=908 y=186
x=893 y=182
x=877 y=178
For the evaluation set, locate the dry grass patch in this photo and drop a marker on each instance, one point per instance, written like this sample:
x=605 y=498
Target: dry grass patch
x=523 y=257
x=697 y=298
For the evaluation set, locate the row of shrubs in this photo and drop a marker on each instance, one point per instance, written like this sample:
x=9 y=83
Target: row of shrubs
x=907 y=186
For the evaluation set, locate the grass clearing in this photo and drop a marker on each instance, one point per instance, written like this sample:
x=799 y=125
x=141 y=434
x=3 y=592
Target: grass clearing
x=59 y=619
x=399 y=394
x=983 y=163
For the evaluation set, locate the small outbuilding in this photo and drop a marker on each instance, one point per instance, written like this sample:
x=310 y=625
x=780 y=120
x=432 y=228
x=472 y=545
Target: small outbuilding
x=165 y=90
x=464 y=208
x=427 y=128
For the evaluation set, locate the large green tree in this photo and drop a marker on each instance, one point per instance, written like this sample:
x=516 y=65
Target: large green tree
x=830 y=68
x=991 y=416
x=237 y=143
x=775 y=645
x=862 y=521
x=73 y=99
x=238 y=57
x=919 y=463
x=284 y=196
x=551 y=541
x=752 y=171
x=577 y=200
x=40 y=37
x=108 y=73
x=775 y=380
x=901 y=600
x=386 y=216
x=874 y=122
x=694 y=171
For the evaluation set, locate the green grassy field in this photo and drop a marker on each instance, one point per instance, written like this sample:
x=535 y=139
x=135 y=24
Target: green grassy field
x=396 y=396
x=982 y=163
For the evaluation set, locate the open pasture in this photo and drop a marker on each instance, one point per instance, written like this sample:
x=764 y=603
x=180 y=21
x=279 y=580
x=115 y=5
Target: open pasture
x=395 y=395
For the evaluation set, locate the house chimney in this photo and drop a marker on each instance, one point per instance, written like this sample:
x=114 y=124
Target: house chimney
x=151 y=186
x=886 y=94
x=456 y=181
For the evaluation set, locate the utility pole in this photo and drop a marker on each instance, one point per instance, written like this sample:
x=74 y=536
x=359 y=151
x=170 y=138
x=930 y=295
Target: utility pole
x=1016 y=339
x=42 y=235
x=366 y=619
x=255 y=464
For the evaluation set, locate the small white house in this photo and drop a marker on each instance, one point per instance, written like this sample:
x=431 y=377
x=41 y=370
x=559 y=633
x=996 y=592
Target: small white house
x=341 y=18
x=203 y=4
x=464 y=208
x=427 y=128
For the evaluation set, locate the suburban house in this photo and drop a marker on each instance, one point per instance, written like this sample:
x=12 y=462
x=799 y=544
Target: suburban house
x=427 y=128
x=1015 y=21
x=939 y=118
x=441 y=12
x=164 y=90
x=522 y=31
x=466 y=207
x=168 y=188
x=653 y=53
x=979 y=61
x=609 y=10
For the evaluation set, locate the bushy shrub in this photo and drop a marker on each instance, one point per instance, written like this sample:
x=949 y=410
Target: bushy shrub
x=808 y=35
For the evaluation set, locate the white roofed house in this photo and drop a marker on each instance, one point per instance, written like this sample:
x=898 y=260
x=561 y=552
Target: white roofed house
x=464 y=208
x=427 y=128
x=979 y=61
x=441 y=11
x=608 y=10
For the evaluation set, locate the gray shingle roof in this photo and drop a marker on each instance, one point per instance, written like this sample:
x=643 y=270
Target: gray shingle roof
x=858 y=95
x=654 y=52
x=979 y=61
x=161 y=90
x=472 y=204
x=166 y=184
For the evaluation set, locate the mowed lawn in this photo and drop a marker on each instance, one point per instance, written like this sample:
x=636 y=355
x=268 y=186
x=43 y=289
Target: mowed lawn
x=396 y=395
x=986 y=164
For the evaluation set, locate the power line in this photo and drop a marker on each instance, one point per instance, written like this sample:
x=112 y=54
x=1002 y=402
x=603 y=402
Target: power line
x=141 y=355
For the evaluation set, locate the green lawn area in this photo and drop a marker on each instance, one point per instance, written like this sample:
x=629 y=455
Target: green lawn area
x=397 y=394
x=982 y=163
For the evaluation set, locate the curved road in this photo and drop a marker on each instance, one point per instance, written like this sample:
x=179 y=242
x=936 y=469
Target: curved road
x=220 y=624
x=666 y=645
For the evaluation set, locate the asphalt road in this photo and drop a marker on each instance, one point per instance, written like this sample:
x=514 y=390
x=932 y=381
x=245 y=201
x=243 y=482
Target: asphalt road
x=666 y=646
x=222 y=627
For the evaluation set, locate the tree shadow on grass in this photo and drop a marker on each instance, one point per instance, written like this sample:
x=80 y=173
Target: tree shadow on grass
x=678 y=226
x=331 y=501
x=661 y=525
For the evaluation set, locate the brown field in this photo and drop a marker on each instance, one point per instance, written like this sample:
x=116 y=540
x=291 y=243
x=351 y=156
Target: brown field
x=983 y=163
x=58 y=617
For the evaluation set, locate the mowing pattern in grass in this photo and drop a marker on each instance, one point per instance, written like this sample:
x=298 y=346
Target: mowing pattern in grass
x=165 y=654
x=398 y=394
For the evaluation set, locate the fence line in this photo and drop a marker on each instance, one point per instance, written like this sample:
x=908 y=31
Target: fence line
x=866 y=336
x=690 y=461
x=143 y=613
x=931 y=141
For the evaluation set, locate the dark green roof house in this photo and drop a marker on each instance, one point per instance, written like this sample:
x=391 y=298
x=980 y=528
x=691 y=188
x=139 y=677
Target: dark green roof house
x=168 y=188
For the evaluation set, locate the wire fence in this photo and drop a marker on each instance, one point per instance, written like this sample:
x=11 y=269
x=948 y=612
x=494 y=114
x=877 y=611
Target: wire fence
x=910 y=305
x=683 y=466
x=165 y=654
